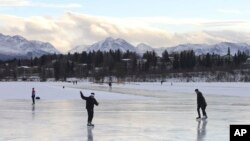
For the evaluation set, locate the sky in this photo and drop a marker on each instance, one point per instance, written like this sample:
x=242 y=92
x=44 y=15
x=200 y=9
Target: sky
x=158 y=23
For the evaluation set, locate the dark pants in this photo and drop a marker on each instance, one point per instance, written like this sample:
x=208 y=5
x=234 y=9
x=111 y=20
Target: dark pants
x=33 y=99
x=203 y=109
x=90 y=115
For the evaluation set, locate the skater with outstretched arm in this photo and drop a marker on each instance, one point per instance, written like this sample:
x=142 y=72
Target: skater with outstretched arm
x=33 y=95
x=201 y=104
x=90 y=102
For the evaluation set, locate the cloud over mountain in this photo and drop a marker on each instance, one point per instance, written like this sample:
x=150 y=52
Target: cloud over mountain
x=72 y=29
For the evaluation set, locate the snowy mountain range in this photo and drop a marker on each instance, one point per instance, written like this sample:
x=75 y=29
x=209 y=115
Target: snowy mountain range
x=19 y=47
x=105 y=46
x=199 y=49
x=220 y=48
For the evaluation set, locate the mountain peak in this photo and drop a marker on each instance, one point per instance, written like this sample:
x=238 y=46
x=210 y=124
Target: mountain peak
x=18 y=37
x=18 y=47
x=111 y=39
x=199 y=49
x=108 y=39
x=219 y=48
x=111 y=44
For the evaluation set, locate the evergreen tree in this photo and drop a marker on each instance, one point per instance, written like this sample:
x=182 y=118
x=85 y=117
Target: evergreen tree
x=176 y=62
x=228 y=51
x=57 y=70
x=84 y=57
x=208 y=60
x=165 y=56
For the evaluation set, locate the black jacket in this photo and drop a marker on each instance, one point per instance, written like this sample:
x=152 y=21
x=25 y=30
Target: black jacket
x=90 y=101
x=201 y=100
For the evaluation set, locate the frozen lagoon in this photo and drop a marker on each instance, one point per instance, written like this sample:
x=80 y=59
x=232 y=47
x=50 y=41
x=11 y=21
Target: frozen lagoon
x=169 y=117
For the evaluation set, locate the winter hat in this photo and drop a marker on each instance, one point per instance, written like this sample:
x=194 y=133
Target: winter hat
x=93 y=94
x=196 y=90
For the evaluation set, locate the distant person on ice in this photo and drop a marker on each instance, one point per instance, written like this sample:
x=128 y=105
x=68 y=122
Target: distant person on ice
x=110 y=85
x=90 y=102
x=33 y=95
x=201 y=104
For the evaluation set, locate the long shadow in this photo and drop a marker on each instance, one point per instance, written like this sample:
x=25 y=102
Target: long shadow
x=201 y=130
x=90 y=134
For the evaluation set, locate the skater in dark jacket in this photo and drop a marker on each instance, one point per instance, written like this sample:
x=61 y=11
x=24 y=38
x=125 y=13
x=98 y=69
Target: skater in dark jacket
x=110 y=85
x=90 y=102
x=201 y=104
x=33 y=95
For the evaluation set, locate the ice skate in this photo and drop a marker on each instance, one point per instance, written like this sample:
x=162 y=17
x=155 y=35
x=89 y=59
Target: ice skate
x=90 y=124
x=198 y=118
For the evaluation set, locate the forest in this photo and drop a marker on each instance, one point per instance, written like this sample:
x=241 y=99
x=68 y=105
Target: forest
x=119 y=64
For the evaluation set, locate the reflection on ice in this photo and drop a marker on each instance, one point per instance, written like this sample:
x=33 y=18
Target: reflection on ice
x=90 y=134
x=33 y=112
x=201 y=130
x=33 y=109
x=165 y=119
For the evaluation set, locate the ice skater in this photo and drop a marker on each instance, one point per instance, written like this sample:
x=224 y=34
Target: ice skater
x=201 y=104
x=33 y=96
x=90 y=102
x=110 y=85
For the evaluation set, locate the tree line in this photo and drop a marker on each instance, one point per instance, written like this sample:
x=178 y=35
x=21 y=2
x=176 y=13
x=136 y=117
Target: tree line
x=99 y=64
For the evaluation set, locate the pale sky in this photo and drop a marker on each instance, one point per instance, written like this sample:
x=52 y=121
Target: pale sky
x=159 y=23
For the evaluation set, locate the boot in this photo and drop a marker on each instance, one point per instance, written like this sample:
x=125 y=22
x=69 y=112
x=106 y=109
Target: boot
x=90 y=124
x=198 y=118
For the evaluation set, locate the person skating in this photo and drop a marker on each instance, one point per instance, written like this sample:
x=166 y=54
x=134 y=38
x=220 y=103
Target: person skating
x=110 y=85
x=162 y=82
x=33 y=95
x=90 y=102
x=201 y=104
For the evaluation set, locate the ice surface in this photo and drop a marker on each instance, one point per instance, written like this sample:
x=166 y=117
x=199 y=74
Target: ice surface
x=158 y=90
x=52 y=91
x=169 y=117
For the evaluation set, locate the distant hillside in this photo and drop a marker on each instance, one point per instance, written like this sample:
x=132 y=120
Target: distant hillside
x=19 y=47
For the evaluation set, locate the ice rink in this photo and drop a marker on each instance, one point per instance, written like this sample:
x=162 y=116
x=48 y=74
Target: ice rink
x=119 y=117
